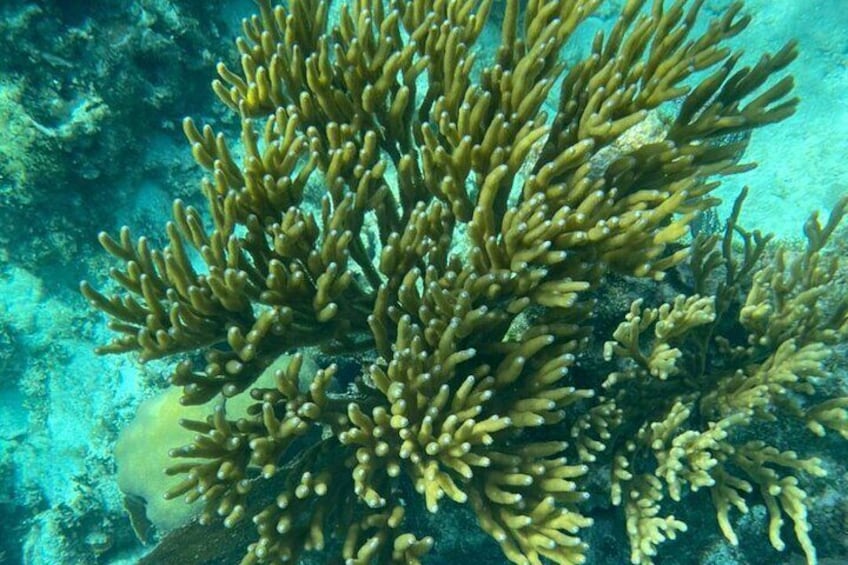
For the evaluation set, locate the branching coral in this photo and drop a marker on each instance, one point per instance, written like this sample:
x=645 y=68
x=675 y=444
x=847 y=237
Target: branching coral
x=458 y=232
x=687 y=389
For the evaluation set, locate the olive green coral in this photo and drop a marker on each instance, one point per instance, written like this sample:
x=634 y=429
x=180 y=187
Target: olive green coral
x=451 y=252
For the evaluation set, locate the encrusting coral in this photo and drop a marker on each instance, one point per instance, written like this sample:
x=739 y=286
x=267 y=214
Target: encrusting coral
x=468 y=212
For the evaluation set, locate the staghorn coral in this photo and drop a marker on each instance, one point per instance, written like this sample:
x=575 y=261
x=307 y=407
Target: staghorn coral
x=458 y=232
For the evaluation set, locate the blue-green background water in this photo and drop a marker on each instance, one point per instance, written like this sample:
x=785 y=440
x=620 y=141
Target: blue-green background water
x=91 y=98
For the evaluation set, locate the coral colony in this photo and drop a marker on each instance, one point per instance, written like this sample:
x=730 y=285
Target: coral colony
x=443 y=224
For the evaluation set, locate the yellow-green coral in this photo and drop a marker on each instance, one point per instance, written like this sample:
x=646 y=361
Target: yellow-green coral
x=450 y=255
x=689 y=413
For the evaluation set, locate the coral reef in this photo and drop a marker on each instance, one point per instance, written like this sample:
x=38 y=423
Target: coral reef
x=74 y=79
x=447 y=225
x=72 y=85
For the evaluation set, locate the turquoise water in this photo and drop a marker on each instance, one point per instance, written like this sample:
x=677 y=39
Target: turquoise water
x=91 y=101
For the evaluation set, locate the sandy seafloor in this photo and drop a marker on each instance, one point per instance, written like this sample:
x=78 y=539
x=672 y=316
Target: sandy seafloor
x=61 y=406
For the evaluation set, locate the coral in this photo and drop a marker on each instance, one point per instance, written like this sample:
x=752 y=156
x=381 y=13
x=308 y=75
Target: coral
x=141 y=453
x=696 y=373
x=451 y=254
